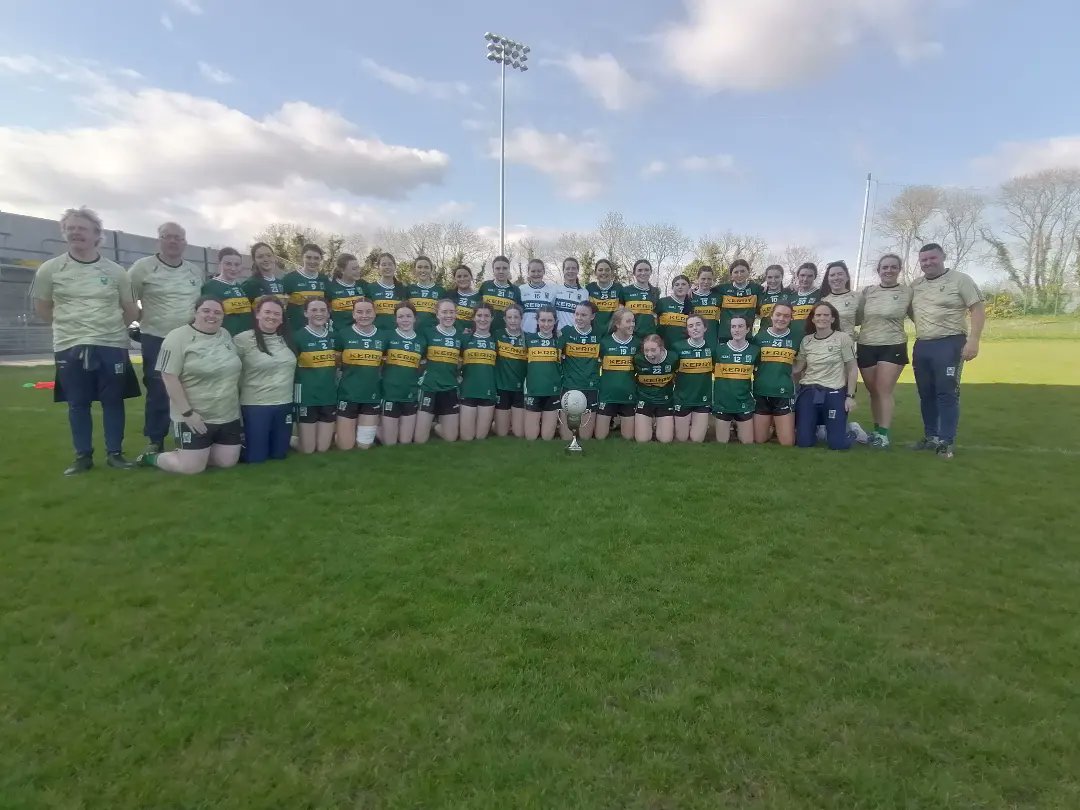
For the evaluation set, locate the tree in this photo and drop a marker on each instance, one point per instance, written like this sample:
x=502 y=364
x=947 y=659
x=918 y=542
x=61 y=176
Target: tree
x=612 y=236
x=907 y=223
x=447 y=244
x=718 y=252
x=961 y=214
x=288 y=239
x=1038 y=241
x=663 y=244
x=790 y=258
x=522 y=251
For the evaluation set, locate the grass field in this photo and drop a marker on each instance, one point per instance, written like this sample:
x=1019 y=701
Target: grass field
x=498 y=626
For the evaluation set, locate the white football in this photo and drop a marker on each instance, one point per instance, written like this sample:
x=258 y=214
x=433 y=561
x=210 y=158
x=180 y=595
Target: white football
x=574 y=403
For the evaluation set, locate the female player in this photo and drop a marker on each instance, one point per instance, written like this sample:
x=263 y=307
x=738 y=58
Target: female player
x=672 y=310
x=828 y=375
x=511 y=362
x=543 y=378
x=802 y=299
x=359 y=393
x=266 y=382
x=263 y=279
x=535 y=294
x=401 y=375
x=733 y=398
x=604 y=294
x=705 y=302
x=499 y=293
x=616 y=390
x=225 y=287
x=773 y=386
x=654 y=371
x=316 y=379
x=439 y=384
x=580 y=348
x=641 y=298
x=302 y=284
x=837 y=291
x=466 y=298
x=385 y=291
x=568 y=294
x=739 y=296
x=201 y=372
x=693 y=383
x=478 y=393
x=344 y=290
x=424 y=293
x=882 y=350
x=772 y=292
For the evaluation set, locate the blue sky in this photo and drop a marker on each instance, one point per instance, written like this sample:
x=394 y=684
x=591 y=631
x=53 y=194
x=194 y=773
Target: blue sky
x=760 y=116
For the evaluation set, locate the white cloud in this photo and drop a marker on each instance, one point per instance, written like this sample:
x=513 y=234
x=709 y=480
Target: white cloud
x=214 y=74
x=190 y=6
x=166 y=22
x=754 y=45
x=577 y=167
x=654 y=168
x=606 y=80
x=61 y=69
x=708 y=163
x=1015 y=158
x=415 y=86
x=217 y=167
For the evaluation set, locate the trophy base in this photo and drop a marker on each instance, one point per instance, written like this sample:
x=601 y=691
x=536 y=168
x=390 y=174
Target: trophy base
x=574 y=448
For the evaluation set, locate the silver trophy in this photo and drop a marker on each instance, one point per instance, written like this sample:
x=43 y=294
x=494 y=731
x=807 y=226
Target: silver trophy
x=574 y=414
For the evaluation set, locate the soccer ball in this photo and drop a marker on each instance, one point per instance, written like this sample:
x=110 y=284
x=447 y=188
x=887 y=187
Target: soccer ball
x=574 y=403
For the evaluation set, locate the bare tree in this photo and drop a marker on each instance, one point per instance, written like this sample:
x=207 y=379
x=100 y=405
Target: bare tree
x=572 y=243
x=287 y=239
x=612 y=236
x=719 y=251
x=961 y=214
x=908 y=221
x=663 y=244
x=790 y=258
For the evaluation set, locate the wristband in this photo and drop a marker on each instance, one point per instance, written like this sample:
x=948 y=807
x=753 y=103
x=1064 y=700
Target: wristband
x=188 y=412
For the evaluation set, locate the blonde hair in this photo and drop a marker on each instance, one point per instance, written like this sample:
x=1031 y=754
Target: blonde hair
x=616 y=315
x=86 y=213
x=652 y=339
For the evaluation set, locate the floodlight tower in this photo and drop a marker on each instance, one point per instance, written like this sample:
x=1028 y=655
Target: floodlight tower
x=507 y=53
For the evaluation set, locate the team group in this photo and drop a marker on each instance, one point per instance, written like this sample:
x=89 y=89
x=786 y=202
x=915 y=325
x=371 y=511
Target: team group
x=231 y=363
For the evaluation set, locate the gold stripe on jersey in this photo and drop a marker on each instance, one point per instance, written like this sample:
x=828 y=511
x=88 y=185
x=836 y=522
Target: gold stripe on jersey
x=708 y=313
x=236 y=306
x=732 y=371
x=385 y=306
x=424 y=305
x=695 y=365
x=583 y=350
x=480 y=357
x=543 y=354
x=673 y=319
x=402 y=357
x=739 y=301
x=766 y=310
x=801 y=312
x=772 y=354
x=508 y=351
x=618 y=362
x=605 y=304
x=655 y=380
x=498 y=302
x=319 y=359
x=361 y=357
x=465 y=313
x=344 y=304
x=640 y=307
x=300 y=297
x=443 y=354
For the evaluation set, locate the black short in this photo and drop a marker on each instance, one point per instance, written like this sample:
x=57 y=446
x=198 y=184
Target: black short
x=653 y=411
x=229 y=434
x=686 y=410
x=734 y=417
x=351 y=410
x=478 y=402
x=395 y=410
x=542 y=404
x=510 y=399
x=870 y=356
x=310 y=414
x=591 y=397
x=773 y=406
x=625 y=409
x=440 y=403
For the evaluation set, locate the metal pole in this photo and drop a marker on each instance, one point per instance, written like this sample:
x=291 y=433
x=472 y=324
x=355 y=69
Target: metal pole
x=862 y=232
x=502 y=160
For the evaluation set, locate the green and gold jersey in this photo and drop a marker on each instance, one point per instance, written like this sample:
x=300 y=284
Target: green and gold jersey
x=606 y=301
x=87 y=300
x=424 y=300
x=442 y=360
x=693 y=379
x=671 y=315
x=267 y=377
x=617 y=369
x=401 y=367
x=643 y=304
x=341 y=297
x=801 y=305
x=361 y=365
x=466 y=304
x=734 y=301
x=770 y=299
x=499 y=298
x=208 y=368
x=881 y=313
x=167 y=293
x=733 y=371
x=773 y=377
x=257 y=285
x=300 y=287
x=478 y=367
x=511 y=361
x=234 y=301
x=386 y=300
x=580 y=359
x=542 y=377
x=655 y=381
x=846 y=305
x=316 y=367
x=707 y=307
